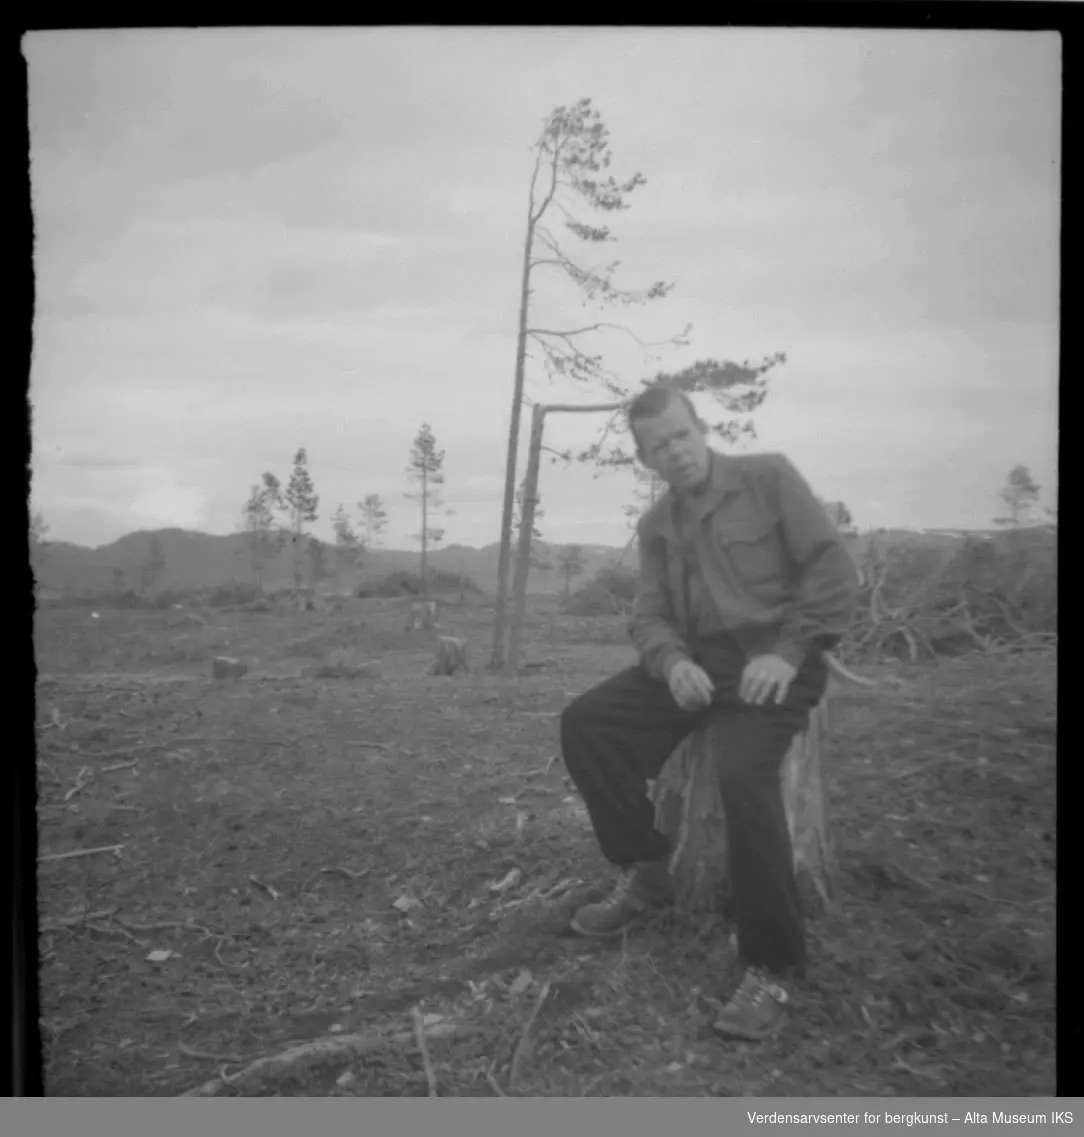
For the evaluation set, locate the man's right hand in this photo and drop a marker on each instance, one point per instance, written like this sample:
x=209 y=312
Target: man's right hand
x=690 y=685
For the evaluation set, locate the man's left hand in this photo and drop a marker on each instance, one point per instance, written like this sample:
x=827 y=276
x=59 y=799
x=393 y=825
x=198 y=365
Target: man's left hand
x=764 y=677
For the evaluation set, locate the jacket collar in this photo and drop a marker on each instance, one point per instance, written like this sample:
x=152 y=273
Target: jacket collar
x=660 y=521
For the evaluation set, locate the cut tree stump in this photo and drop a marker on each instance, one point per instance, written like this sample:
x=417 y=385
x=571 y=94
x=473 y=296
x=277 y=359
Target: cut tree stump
x=423 y=614
x=451 y=656
x=225 y=667
x=689 y=810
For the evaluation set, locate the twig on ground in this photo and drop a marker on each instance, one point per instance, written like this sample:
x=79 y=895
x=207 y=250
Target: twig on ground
x=906 y=773
x=491 y=1078
x=80 y=783
x=331 y=869
x=325 y=1049
x=204 y=1056
x=837 y=668
x=132 y=926
x=79 y=853
x=110 y=932
x=76 y=921
x=219 y=940
x=165 y=744
x=525 y=1048
x=120 y=766
x=273 y=893
x=124 y=931
x=593 y=1082
x=427 y=1062
x=959 y=888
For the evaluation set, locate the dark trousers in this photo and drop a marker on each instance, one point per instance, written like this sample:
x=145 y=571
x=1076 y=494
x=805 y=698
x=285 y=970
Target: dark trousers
x=619 y=734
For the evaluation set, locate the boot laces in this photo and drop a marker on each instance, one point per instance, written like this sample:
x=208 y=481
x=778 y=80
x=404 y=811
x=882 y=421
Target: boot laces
x=755 y=988
x=623 y=887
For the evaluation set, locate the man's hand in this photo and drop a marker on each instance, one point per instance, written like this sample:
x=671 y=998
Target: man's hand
x=765 y=676
x=690 y=685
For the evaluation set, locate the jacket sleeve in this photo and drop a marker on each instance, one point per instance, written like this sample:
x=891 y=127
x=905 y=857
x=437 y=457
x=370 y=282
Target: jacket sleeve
x=653 y=627
x=828 y=580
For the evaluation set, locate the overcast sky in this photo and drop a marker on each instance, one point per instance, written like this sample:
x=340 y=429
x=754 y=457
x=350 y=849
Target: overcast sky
x=252 y=241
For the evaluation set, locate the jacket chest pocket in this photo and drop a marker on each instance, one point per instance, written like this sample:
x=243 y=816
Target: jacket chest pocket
x=753 y=551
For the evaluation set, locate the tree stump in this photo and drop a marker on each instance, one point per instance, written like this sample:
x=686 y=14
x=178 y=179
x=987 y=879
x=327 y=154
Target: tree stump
x=689 y=810
x=225 y=667
x=451 y=656
x=308 y=600
x=423 y=614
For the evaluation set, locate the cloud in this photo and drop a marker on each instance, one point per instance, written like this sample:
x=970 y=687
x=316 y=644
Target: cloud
x=92 y=462
x=249 y=241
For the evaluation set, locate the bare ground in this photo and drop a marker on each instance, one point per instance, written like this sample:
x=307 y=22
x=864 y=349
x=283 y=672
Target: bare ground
x=306 y=858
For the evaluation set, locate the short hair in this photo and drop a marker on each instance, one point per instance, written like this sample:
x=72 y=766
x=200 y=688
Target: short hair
x=651 y=403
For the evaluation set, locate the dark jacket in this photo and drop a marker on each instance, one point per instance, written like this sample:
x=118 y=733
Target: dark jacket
x=776 y=566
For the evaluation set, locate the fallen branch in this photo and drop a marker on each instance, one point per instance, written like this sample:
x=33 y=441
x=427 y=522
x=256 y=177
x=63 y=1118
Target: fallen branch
x=923 y=883
x=218 y=955
x=80 y=783
x=325 y=1050
x=76 y=921
x=120 y=766
x=134 y=927
x=525 y=1048
x=204 y=1056
x=491 y=1078
x=273 y=893
x=427 y=1062
x=124 y=931
x=837 y=668
x=345 y=872
x=511 y=799
x=79 y=853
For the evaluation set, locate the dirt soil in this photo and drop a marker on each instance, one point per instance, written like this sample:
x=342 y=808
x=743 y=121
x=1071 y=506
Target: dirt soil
x=307 y=854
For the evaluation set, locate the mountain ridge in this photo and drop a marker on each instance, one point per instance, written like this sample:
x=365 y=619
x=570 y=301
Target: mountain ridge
x=204 y=560
x=194 y=559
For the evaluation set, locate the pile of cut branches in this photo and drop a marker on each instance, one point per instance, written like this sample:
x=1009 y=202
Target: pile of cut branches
x=989 y=596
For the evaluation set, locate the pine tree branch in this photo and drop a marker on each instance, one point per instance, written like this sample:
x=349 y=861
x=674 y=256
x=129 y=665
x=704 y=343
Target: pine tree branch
x=554 y=162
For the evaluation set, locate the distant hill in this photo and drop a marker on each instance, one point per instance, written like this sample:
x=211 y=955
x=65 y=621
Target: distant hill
x=203 y=560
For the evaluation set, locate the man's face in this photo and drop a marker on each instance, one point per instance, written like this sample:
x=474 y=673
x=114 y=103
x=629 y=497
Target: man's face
x=674 y=446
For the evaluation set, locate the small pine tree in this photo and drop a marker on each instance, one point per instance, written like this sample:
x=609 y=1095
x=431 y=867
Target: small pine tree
x=1021 y=497
x=301 y=504
x=347 y=552
x=374 y=520
x=263 y=539
x=153 y=568
x=426 y=468
x=570 y=563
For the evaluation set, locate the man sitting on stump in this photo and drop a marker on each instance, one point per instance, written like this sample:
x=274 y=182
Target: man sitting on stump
x=744 y=583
